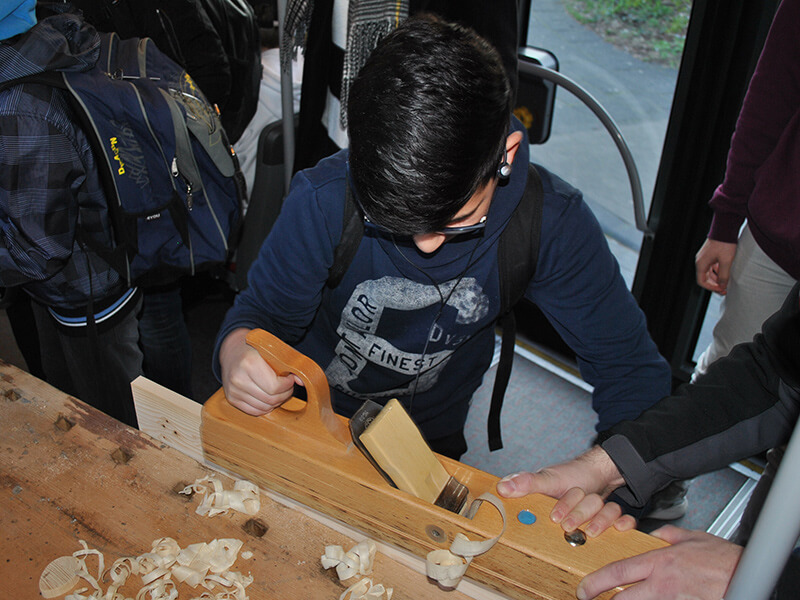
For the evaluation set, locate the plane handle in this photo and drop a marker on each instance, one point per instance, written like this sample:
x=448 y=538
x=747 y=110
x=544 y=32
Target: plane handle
x=285 y=360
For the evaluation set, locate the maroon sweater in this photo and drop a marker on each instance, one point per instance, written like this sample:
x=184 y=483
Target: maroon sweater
x=762 y=179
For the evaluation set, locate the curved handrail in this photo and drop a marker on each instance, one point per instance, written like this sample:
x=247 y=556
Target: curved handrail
x=613 y=130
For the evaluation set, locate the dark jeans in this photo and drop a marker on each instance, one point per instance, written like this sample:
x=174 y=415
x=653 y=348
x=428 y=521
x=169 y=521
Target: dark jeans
x=165 y=340
x=23 y=325
x=96 y=369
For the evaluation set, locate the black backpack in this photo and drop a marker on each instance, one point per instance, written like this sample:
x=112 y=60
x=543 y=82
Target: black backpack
x=517 y=255
x=216 y=41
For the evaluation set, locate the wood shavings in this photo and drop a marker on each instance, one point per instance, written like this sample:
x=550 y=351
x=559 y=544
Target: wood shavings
x=366 y=590
x=160 y=589
x=358 y=561
x=59 y=577
x=215 y=557
x=160 y=570
x=119 y=573
x=83 y=571
x=243 y=497
x=447 y=567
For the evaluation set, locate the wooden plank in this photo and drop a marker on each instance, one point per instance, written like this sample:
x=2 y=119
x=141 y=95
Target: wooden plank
x=168 y=417
x=70 y=473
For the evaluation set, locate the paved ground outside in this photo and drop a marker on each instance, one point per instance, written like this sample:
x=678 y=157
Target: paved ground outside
x=638 y=97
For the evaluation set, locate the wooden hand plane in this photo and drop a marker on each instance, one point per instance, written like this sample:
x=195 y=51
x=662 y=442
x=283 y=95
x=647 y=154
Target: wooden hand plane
x=303 y=450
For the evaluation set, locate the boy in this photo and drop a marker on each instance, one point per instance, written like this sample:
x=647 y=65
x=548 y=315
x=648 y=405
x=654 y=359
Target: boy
x=433 y=167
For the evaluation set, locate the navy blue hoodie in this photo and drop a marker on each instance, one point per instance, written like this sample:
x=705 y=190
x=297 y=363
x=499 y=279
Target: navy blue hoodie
x=384 y=330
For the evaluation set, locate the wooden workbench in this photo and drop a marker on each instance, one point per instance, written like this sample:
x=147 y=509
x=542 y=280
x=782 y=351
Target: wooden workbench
x=70 y=473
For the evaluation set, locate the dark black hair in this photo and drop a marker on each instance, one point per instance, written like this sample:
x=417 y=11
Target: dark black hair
x=428 y=118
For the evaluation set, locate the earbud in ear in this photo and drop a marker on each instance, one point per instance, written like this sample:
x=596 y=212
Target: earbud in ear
x=504 y=170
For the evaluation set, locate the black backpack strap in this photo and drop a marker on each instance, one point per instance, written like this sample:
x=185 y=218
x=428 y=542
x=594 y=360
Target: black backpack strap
x=51 y=78
x=352 y=232
x=517 y=256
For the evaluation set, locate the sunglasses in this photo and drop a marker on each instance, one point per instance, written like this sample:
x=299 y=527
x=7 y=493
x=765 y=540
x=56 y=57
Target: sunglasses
x=455 y=230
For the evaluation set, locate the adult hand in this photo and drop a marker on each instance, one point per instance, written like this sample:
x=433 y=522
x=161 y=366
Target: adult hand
x=581 y=486
x=697 y=566
x=713 y=265
x=250 y=383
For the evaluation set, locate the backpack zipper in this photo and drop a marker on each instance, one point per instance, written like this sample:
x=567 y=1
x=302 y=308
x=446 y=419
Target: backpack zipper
x=177 y=175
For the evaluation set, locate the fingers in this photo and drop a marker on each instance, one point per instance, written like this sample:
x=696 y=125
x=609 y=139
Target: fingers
x=706 y=271
x=707 y=279
x=695 y=565
x=610 y=514
x=256 y=389
x=713 y=265
x=673 y=535
x=253 y=399
x=516 y=485
x=257 y=398
x=249 y=382
x=521 y=484
x=593 y=471
x=249 y=405
x=625 y=523
x=704 y=268
x=723 y=275
x=576 y=508
x=623 y=572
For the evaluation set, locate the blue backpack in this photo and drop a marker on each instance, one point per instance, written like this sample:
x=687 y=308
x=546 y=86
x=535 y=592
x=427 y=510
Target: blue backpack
x=171 y=179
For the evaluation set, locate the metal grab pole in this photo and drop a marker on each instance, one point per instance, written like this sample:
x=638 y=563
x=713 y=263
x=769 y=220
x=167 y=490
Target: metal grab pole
x=287 y=107
x=616 y=135
x=775 y=534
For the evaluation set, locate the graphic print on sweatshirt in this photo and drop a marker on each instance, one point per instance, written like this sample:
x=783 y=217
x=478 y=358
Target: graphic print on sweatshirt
x=377 y=327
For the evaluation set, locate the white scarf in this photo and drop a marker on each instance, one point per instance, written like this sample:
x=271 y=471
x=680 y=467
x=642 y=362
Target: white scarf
x=367 y=22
